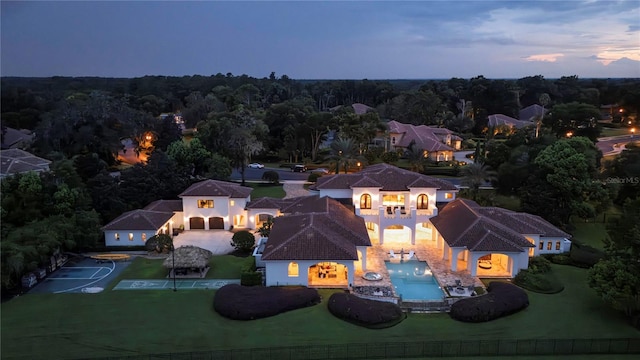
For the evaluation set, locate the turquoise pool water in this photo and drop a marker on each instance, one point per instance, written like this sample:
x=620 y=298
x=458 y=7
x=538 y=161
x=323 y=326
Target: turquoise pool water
x=413 y=280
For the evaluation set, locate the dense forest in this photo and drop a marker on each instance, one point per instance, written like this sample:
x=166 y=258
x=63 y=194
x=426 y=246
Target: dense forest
x=79 y=124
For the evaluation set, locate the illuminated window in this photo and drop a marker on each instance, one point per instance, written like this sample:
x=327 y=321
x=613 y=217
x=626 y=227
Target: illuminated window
x=232 y=202
x=365 y=201
x=392 y=200
x=557 y=245
x=448 y=195
x=144 y=237
x=293 y=269
x=541 y=246
x=370 y=225
x=549 y=245
x=117 y=237
x=422 y=202
x=205 y=204
x=130 y=236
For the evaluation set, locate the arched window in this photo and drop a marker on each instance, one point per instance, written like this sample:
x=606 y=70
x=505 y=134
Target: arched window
x=293 y=269
x=422 y=202
x=144 y=237
x=365 y=201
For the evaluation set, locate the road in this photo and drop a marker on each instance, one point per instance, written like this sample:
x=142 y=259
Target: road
x=256 y=174
x=613 y=145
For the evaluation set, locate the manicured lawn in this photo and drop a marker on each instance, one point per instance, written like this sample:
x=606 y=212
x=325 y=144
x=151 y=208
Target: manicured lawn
x=510 y=202
x=221 y=267
x=266 y=190
x=119 y=323
x=590 y=234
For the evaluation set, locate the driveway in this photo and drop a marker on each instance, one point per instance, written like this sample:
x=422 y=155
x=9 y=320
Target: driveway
x=216 y=241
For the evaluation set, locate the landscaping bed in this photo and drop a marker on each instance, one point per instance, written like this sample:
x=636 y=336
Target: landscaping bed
x=501 y=300
x=368 y=313
x=255 y=302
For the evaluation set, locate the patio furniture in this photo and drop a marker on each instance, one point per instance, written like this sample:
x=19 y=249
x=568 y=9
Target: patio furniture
x=458 y=283
x=411 y=255
x=392 y=254
x=484 y=264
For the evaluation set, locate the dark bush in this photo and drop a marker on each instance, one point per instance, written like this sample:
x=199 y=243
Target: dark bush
x=561 y=259
x=160 y=244
x=313 y=177
x=250 y=278
x=539 y=265
x=584 y=255
x=243 y=241
x=271 y=176
x=544 y=283
x=255 y=302
x=501 y=300
x=363 y=312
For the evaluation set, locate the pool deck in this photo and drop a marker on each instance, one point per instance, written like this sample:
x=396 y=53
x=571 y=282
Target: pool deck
x=424 y=251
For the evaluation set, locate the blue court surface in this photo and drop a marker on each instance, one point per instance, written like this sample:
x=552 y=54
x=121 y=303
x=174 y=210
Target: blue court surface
x=81 y=275
x=181 y=284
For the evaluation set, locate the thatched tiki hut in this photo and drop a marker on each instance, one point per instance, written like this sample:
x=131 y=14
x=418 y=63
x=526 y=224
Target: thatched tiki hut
x=190 y=261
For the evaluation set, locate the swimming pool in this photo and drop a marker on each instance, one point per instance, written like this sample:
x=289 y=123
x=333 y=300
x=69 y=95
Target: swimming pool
x=413 y=280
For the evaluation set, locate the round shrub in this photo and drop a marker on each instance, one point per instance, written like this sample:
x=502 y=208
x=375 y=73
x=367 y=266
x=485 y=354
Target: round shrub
x=368 y=313
x=585 y=256
x=271 y=176
x=313 y=177
x=243 y=241
x=539 y=265
x=501 y=300
x=544 y=283
x=561 y=259
x=160 y=244
x=255 y=302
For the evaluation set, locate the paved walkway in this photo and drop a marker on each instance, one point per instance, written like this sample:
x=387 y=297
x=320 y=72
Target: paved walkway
x=295 y=189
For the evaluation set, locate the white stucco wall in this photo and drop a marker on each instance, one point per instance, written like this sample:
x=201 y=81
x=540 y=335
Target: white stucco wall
x=252 y=213
x=277 y=271
x=565 y=245
x=221 y=208
x=110 y=238
x=441 y=195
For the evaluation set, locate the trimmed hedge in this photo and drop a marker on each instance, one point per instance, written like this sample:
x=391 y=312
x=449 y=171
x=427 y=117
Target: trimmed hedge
x=255 y=302
x=544 y=283
x=363 y=312
x=539 y=265
x=250 y=278
x=502 y=299
x=585 y=256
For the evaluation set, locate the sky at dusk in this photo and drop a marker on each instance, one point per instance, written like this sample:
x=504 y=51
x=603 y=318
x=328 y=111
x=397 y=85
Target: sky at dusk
x=322 y=40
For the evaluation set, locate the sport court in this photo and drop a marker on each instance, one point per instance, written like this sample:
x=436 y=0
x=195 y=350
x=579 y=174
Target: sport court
x=80 y=275
x=180 y=284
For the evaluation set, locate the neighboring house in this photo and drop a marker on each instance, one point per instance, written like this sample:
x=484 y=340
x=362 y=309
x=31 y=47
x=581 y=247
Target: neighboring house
x=358 y=108
x=206 y=205
x=482 y=238
x=317 y=243
x=498 y=120
x=532 y=113
x=16 y=161
x=177 y=118
x=14 y=138
x=527 y=117
x=388 y=197
x=438 y=144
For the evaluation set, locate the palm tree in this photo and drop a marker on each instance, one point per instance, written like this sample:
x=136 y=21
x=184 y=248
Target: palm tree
x=476 y=174
x=344 y=151
x=544 y=101
x=415 y=156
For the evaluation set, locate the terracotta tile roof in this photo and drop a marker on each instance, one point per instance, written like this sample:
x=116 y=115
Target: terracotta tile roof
x=139 y=220
x=427 y=138
x=523 y=223
x=14 y=161
x=165 y=206
x=499 y=119
x=217 y=188
x=266 y=203
x=14 y=138
x=462 y=224
x=385 y=176
x=361 y=108
x=322 y=229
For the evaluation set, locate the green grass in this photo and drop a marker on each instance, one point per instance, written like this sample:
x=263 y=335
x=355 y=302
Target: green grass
x=510 y=202
x=590 y=234
x=221 y=267
x=266 y=190
x=606 y=132
x=119 y=323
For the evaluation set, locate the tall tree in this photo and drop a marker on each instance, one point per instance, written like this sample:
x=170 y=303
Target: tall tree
x=475 y=175
x=344 y=151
